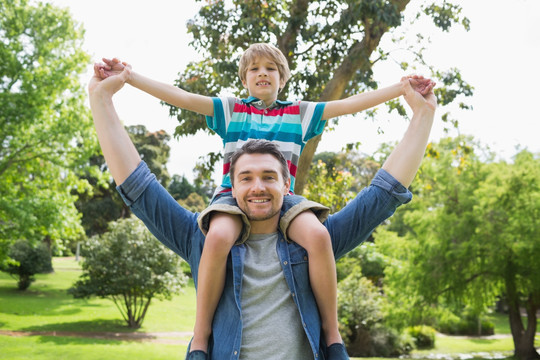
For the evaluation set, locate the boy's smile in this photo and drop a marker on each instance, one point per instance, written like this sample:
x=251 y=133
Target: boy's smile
x=263 y=80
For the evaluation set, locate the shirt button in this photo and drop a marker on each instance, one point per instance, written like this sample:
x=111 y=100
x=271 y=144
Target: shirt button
x=292 y=294
x=304 y=324
x=316 y=355
x=305 y=257
x=285 y=262
x=235 y=352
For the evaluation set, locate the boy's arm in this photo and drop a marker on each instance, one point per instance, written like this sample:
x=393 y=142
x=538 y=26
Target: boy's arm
x=165 y=92
x=366 y=100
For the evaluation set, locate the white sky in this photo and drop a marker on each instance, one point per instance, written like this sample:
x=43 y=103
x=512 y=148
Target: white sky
x=498 y=56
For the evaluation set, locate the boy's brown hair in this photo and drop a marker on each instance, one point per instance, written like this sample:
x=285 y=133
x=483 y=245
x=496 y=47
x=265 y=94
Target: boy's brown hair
x=264 y=50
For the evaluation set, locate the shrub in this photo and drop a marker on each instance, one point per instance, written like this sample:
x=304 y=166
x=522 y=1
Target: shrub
x=26 y=261
x=424 y=336
x=466 y=324
x=129 y=266
x=361 y=322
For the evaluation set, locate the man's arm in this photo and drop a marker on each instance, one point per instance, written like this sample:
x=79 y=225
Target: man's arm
x=367 y=100
x=165 y=92
x=405 y=159
x=118 y=149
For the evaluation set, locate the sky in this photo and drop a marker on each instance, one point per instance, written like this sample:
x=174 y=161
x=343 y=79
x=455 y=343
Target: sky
x=498 y=57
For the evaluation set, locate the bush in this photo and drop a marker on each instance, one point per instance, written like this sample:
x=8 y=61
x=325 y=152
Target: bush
x=361 y=322
x=424 y=336
x=466 y=324
x=129 y=266
x=27 y=260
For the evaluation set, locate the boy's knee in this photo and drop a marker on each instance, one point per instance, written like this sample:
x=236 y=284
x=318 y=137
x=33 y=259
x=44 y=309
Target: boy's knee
x=317 y=238
x=223 y=228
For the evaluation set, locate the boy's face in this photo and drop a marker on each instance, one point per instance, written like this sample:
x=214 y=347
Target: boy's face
x=263 y=80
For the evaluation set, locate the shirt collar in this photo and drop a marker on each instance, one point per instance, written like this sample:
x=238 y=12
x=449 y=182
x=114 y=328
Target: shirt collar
x=252 y=100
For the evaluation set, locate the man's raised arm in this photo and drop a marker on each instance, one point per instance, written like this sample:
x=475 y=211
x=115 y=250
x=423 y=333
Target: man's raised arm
x=405 y=159
x=120 y=153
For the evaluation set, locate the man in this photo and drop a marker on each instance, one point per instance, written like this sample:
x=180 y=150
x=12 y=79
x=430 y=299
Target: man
x=267 y=310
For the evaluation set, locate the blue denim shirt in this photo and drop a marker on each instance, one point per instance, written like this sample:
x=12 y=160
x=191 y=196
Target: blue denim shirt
x=177 y=228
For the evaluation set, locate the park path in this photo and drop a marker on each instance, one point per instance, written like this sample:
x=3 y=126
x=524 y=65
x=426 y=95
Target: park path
x=171 y=338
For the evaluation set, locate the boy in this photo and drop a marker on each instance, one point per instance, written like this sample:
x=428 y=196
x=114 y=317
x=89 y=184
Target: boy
x=264 y=71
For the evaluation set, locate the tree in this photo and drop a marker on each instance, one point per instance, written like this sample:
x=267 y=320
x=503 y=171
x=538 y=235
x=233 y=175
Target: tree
x=129 y=266
x=102 y=203
x=473 y=237
x=331 y=47
x=45 y=129
x=26 y=261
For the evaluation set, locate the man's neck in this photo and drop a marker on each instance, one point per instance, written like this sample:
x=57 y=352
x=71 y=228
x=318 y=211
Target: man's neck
x=268 y=226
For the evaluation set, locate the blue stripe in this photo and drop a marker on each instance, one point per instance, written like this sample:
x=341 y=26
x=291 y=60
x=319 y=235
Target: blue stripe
x=316 y=126
x=216 y=123
x=253 y=134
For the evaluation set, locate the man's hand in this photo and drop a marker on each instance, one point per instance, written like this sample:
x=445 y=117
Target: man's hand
x=419 y=93
x=420 y=84
x=110 y=67
x=110 y=84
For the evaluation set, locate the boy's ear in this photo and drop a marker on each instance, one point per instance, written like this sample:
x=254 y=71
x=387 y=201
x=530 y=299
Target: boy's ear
x=282 y=83
x=244 y=83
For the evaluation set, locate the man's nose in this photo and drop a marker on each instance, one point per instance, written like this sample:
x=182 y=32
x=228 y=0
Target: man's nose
x=258 y=185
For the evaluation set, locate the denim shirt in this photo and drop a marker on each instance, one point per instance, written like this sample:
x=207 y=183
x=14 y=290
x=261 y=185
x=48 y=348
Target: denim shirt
x=177 y=228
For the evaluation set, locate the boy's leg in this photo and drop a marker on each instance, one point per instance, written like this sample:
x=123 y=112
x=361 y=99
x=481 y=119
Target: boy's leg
x=307 y=231
x=223 y=232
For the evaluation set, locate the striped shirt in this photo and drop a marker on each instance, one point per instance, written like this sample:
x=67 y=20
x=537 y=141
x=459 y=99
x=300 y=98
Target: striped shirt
x=287 y=124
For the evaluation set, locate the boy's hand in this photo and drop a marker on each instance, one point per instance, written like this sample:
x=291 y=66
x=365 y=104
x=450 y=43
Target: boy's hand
x=111 y=67
x=107 y=86
x=415 y=98
x=420 y=84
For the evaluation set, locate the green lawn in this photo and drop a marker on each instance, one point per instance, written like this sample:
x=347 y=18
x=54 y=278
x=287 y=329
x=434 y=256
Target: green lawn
x=46 y=306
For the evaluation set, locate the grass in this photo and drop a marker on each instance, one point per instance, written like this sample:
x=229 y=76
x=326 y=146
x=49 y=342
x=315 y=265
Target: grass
x=46 y=306
x=52 y=347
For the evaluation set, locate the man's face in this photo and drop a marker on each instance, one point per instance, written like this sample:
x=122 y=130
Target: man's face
x=259 y=188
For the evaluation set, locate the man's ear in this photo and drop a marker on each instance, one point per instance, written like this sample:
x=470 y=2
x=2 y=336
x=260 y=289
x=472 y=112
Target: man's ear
x=286 y=186
x=233 y=192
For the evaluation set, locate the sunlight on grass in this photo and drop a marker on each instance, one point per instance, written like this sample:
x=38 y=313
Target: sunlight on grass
x=46 y=306
x=50 y=347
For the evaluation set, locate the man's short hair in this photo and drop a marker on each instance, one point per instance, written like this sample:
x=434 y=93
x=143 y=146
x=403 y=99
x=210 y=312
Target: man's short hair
x=259 y=146
x=264 y=50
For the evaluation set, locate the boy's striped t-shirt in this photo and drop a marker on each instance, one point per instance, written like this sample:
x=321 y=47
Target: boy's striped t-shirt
x=287 y=124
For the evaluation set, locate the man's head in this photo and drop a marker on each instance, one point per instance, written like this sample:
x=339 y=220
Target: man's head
x=260 y=146
x=260 y=178
x=261 y=53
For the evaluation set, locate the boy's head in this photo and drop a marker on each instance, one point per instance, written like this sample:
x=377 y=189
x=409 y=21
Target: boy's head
x=261 y=50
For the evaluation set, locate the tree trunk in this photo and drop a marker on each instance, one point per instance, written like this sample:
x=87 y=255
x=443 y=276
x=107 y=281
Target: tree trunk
x=358 y=59
x=523 y=338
